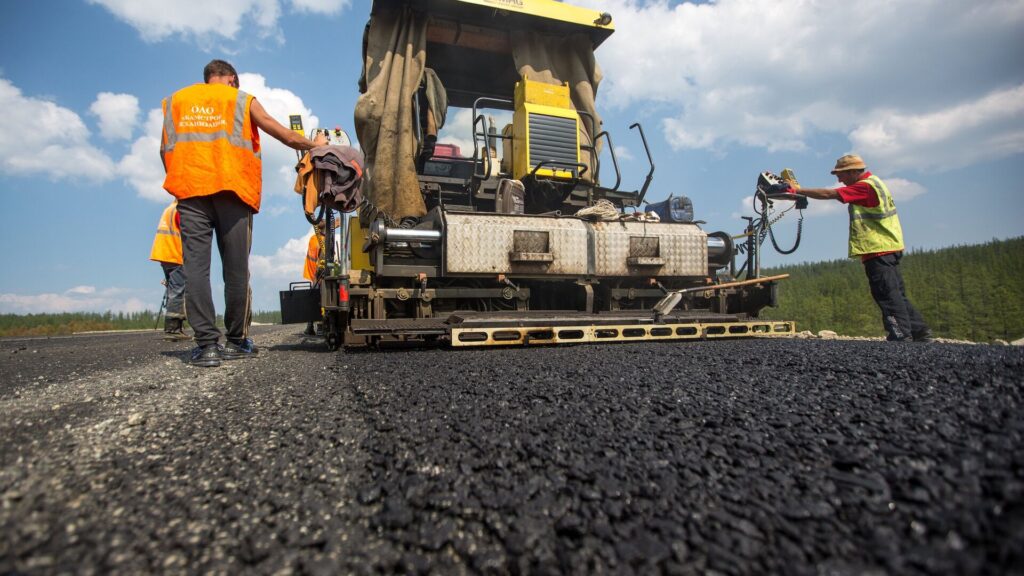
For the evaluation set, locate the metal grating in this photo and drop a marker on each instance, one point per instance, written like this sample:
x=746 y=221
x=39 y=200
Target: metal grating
x=587 y=332
x=553 y=138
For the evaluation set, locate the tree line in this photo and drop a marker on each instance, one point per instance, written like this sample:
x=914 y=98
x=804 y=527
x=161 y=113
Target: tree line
x=71 y=322
x=966 y=292
x=971 y=292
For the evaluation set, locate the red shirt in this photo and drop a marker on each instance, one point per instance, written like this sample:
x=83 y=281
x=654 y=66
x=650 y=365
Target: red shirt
x=862 y=194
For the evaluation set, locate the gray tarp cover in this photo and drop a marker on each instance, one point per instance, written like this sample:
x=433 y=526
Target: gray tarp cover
x=395 y=56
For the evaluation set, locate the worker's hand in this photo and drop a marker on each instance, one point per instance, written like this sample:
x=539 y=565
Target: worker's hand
x=320 y=140
x=789 y=177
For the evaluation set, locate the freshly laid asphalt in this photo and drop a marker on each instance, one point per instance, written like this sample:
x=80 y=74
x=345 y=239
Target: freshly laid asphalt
x=717 y=457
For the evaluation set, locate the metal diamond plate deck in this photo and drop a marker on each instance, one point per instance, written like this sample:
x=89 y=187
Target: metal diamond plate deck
x=684 y=248
x=481 y=243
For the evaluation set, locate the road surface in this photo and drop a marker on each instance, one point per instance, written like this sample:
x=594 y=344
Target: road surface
x=718 y=457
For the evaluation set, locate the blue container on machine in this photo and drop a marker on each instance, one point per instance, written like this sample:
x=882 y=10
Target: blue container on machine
x=674 y=209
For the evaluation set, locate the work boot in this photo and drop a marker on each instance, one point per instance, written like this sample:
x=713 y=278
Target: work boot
x=924 y=336
x=174 y=330
x=238 y=349
x=309 y=329
x=208 y=356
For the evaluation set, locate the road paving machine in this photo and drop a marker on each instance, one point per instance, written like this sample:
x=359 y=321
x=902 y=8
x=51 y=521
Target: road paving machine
x=517 y=233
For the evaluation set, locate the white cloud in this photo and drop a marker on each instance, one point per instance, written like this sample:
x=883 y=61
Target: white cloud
x=623 y=153
x=771 y=74
x=145 y=172
x=285 y=264
x=77 y=299
x=990 y=127
x=206 y=22
x=904 y=190
x=141 y=167
x=117 y=113
x=157 y=20
x=278 y=160
x=320 y=6
x=38 y=137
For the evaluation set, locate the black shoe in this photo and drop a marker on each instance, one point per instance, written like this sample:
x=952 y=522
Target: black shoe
x=237 y=349
x=208 y=356
x=310 y=331
x=924 y=336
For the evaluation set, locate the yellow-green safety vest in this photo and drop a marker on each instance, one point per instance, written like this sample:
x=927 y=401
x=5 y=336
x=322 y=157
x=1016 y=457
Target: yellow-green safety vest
x=875 y=229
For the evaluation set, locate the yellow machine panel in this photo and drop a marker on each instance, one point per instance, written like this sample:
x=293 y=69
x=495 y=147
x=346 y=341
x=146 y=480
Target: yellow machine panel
x=545 y=128
x=570 y=18
x=358 y=260
x=542 y=93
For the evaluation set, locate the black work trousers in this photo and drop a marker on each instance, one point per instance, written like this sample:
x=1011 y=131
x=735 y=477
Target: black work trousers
x=899 y=317
x=231 y=219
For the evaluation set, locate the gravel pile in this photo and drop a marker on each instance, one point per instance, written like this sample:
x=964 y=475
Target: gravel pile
x=740 y=457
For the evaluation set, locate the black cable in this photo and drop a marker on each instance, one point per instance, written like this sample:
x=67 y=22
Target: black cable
x=763 y=225
x=796 y=243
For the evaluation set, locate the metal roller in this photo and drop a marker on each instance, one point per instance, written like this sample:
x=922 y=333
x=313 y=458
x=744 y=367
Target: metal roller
x=384 y=234
x=716 y=247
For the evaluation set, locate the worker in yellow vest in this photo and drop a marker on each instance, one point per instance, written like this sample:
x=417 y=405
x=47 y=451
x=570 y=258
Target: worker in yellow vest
x=167 y=251
x=876 y=237
x=211 y=152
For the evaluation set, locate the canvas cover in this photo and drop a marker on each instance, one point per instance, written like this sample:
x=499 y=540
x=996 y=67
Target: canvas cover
x=394 y=66
x=395 y=55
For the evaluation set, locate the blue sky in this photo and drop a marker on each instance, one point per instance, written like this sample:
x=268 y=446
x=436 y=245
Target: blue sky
x=930 y=93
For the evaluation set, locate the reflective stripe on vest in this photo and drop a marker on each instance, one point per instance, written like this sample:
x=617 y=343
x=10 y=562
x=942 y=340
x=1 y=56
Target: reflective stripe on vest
x=210 y=144
x=235 y=138
x=167 y=242
x=875 y=229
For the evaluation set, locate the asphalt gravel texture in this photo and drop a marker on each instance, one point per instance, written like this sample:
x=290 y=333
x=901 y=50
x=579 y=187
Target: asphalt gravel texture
x=717 y=457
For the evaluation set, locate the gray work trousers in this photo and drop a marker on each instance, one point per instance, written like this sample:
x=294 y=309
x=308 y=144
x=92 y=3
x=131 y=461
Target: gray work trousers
x=226 y=215
x=174 y=278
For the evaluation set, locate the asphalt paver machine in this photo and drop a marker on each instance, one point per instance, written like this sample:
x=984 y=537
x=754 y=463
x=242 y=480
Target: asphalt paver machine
x=518 y=234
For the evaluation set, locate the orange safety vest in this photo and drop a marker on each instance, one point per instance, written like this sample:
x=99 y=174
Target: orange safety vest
x=312 y=255
x=210 y=144
x=167 y=242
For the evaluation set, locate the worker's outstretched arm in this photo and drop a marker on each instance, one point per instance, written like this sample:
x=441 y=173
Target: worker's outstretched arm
x=289 y=138
x=819 y=193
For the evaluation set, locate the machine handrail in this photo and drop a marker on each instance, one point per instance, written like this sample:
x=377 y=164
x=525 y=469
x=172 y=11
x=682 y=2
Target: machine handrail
x=481 y=119
x=650 y=175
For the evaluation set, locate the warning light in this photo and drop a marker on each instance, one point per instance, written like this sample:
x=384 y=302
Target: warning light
x=342 y=293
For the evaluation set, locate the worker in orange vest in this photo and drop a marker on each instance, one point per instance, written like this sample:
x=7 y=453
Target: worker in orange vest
x=167 y=251
x=210 y=148
x=312 y=271
x=309 y=272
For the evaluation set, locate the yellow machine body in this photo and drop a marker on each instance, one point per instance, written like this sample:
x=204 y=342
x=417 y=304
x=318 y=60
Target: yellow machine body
x=544 y=127
x=358 y=260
